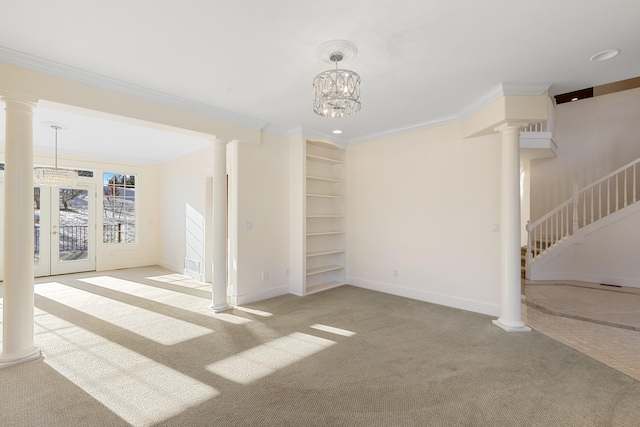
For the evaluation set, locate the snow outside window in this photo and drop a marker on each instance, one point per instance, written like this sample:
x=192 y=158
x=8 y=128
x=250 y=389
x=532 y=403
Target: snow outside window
x=119 y=216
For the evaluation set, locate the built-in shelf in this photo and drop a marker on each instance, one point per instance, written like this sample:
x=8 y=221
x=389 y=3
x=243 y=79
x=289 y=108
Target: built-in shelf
x=329 y=252
x=325 y=233
x=324 y=159
x=329 y=196
x=323 y=256
x=323 y=286
x=322 y=178
x=324 y=269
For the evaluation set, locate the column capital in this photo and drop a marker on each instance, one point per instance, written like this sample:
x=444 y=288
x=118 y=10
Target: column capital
x=511 y=125
x=28 y=102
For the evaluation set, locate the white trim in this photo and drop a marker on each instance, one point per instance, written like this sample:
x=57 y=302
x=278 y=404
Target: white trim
x=261 y=295
x=501 y=89
x=577 y=239
x=405 y=129
x=57 y=69
x=432 y=297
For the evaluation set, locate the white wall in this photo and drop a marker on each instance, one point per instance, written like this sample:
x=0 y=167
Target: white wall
x=595 y=136
x=182 y=209
x=263 y=201
x=423 y=204
x=606 y=254
x=259 y=179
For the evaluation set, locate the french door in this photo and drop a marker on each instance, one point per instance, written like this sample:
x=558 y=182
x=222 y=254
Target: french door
x=64 y=229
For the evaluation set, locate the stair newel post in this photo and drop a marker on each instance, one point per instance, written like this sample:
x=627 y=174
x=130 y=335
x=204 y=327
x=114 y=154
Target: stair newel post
x=576 y=225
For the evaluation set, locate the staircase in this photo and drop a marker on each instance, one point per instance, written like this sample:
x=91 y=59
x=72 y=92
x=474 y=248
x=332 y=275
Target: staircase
x=594 y=205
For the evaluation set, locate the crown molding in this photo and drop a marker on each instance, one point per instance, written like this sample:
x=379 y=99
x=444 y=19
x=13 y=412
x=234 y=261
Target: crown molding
x=308 y=133
x=405 y=129
x=42 y=65
x=277 y=130
x=56 y=69
x=495 y=93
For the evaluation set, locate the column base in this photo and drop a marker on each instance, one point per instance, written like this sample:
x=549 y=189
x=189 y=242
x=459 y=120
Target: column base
x=511 y=328
x=220 y=308
x=10 y=360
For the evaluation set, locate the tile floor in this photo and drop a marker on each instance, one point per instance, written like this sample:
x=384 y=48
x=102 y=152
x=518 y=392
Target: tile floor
x=600 y=321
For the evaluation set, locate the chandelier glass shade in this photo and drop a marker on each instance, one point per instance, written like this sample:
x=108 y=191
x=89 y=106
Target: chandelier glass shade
x=336 y=93
x=48 y=177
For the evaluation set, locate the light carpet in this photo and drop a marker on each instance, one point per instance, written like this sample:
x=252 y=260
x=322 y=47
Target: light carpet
x=139 y=347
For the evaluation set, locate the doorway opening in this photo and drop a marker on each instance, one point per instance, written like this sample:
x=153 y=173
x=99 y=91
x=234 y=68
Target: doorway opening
x=64 y=229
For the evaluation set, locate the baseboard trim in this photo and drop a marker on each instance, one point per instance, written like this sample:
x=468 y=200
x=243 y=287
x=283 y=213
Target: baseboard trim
x=261 y=295
x=170 y=266
x=432 y=297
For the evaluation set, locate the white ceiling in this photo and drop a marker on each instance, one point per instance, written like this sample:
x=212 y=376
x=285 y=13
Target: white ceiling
x=419 y=60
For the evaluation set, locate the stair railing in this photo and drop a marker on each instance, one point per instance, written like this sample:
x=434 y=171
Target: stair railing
x=595 y=201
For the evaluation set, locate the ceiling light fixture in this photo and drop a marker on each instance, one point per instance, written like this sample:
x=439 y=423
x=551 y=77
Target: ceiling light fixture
x=604 y=55
x=336 y=93
x=55 y=177
x=337 y=131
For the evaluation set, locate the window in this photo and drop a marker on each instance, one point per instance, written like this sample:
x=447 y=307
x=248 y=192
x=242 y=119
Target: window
x=119 y=216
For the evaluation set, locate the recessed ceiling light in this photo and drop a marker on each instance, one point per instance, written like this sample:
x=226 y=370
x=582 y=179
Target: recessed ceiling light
x=604 y=55
x=337 y=131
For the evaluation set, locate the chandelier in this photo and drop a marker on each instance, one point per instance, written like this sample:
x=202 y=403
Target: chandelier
x=55 y=177
x=336 y=93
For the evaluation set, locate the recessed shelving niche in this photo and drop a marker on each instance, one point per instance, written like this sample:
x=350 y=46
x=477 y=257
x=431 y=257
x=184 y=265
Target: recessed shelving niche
x=325 y=232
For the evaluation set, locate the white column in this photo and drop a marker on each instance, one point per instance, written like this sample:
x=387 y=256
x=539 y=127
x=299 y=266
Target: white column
x=219 y=210
x=511 y=312
x=18 y=320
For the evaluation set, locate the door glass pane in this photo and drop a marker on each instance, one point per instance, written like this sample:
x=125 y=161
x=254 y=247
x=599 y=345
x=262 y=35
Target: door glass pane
x=74 y=224
x=36 y=225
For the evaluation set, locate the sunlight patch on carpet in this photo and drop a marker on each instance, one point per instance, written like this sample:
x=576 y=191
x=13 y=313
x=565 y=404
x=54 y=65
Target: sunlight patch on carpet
x=135 y=319
x=135 y=387
x=332 y=330
x=254 y=311
x=263 y=360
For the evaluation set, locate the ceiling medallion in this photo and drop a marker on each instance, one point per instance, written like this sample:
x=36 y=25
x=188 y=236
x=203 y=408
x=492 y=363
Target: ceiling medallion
x=336 y=93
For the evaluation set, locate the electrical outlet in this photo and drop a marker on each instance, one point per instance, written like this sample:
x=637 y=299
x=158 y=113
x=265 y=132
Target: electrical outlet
x=395 y=273
x=265 y=275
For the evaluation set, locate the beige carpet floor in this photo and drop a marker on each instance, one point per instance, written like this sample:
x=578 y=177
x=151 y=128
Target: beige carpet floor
x=139 y=347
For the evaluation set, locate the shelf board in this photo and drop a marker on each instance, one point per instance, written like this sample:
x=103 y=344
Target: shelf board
x=324 y=159
x=322 y=178
x=329 y=196
x=325 y=233
x=324 y=269
x=325 y=216
x=323 y=287
x=330 y=252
